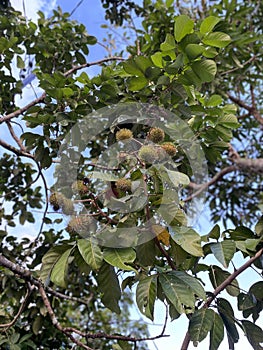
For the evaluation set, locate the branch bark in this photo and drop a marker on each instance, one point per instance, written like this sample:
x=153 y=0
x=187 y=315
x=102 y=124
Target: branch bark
x=42 y=97
x=221 y=287
x=251 y=109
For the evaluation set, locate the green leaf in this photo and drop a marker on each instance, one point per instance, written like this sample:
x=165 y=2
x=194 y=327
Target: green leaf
x=49 y=260
x=103 y=176
x=216 y=332
x=131 y=67
x=205 y=70
x=183 y=25
x=188 y=239
x=223 y=251
x=19 y=62
x=215 y=232
x=168 y=44
x=60 y=269
x=208 y=24
x=214 y=100
x=137 y=83
x=37 y=324
x=174 y=177
x=180 y=288
x=228 y=121
x=143 y=63
x=157 y=59
x=194 y=50
x=218 y=276
x=108 y=284
x=200 y=324
x=146 y=253
x=254 y=334
x=227 y=314
x=90 y=252
x=259 y=227
x=146 y=294
x=217 y=39
x=120 y=257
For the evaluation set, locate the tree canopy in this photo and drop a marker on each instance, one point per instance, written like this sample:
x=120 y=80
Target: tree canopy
x=114 y=170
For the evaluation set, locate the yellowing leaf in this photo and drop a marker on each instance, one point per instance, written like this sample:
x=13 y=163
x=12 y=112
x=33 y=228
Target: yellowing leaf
x=162 y=234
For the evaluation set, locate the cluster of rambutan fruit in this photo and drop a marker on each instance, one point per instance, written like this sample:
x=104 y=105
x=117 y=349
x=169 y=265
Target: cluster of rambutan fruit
x=60 y=202
x=155 y=149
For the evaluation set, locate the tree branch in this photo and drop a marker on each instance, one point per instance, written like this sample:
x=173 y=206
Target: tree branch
x=21 y=309
x=56 y=322
x=15 y=137
x=42 y=97
x=15 y=150
x=251 y=109
x=201 y=187
x=221 y=287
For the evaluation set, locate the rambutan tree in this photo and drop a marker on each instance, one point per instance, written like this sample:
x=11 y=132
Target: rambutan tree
x=115 y=170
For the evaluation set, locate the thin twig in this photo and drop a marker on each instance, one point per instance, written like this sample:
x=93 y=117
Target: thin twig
x=56 y=322
x=251 y=109
x=202 y=187
x=43 y=96
x=15 y=150
x=15 y=137
x=21 y=309
x=253 y=58
x=75 y=8
x=221 y=287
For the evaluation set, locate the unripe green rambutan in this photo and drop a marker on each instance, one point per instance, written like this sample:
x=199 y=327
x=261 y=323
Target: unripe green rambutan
x=156 y=135
x=67 y=207
x=123 y=184
x=79 y=187
x=56 y=199
x=124 y=134
x=80 y=224
x=148 y=154
x=169 y=148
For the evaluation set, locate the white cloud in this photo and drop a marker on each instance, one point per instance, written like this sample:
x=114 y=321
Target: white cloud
x=33 y=6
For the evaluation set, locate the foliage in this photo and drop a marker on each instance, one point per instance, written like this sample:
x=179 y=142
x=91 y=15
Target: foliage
x=127 y=148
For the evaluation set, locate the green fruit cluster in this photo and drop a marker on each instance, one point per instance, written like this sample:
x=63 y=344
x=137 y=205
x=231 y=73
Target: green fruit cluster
x=123 y=184
x=59 y=201
x=79 y=187
x=156 y=135
x=79 y=224
x=124 y=134
x=169 y=148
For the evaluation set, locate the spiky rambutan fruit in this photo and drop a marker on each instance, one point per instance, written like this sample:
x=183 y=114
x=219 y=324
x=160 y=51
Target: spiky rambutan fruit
x=123 y=184
x=148 y=154
x=80 y=187
x=169 y=148
x=56 y=199
x=80 y=224
x=124 y=134
x=156 y=135
x=67 y=207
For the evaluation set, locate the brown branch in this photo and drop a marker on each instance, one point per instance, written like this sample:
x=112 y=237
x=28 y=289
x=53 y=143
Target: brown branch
x=67 y=297
x=42 y=97
x=15 y=137
x=55 y=321
x=253 y=58
x=251 y=109
x=221 y=287
x=15 y=150
x=95 y=63
x=232 y=277
x=201 y=187
x=21 y=309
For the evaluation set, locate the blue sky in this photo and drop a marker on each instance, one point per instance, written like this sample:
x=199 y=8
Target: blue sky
x=91 y=14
